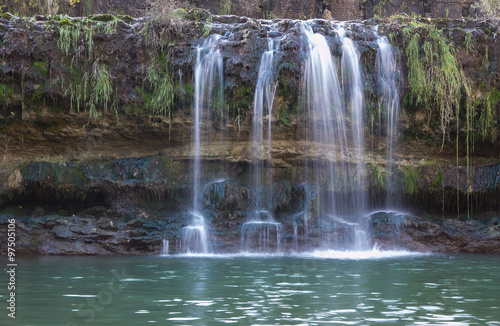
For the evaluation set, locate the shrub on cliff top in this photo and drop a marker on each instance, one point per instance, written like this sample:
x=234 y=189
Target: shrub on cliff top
x=489 y=8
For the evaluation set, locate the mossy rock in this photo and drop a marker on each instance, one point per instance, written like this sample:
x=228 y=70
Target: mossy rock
x=65 y=21
x=41 y=66
x=242 y=97
x=102 y=18
x=41 y=18
x=125 y=18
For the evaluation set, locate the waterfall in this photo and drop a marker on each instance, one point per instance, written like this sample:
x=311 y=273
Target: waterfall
x=352 y=88
x=388 y=104
x=262 y=230
x=333 y=101
x=164 y=247
x=262 y=234
x=323 y=110
x=328 y=103
x=195 y=238
x=208 y=98
x=263 y=98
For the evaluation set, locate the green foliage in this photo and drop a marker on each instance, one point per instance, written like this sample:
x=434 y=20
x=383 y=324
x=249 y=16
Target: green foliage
x=68 y=36
x=416 y=72
x=217 y=102
x=76 y=31
x=103 y=18
x=284 y=120
x=7 y=16
x=495 y=96
x=486 y=61
x=239 y=100
x=487 y=118
x=469 y=45
x=489 y=8
x=410 y=176
x=433 y=74
x=41 y=66
x=162 y=27
x=90 y=85
x=243 y=97
x=101 y=90
x=92 y=90
x=225 y=7
x=289 y=104
x=37 y=94
x=159 y=74
x=5 y=92
x=437 y=182
x=378 y=7
x=392 y=38
x=53 y=7
x=378 y=175
x=189 y=88
x=206 y=30
x=198 y=14
x=163 y=23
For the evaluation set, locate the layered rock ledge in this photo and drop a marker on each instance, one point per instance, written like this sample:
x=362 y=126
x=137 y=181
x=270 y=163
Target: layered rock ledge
x=92 y=175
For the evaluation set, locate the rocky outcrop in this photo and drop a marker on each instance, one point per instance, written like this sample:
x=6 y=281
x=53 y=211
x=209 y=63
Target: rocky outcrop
x=110 y=175
x=424 y=8
x=295 y=9
x=464 y=235
x=97 y=232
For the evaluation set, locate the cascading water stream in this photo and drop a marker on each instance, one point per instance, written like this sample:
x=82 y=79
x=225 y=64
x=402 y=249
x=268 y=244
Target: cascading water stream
x=327 y=105
x=195 y=239
x=263 y=98
x=164 y=247
x=388 y=104
x=323 y=110
x=333 y=100
x=352 y=88
x=261 y=234
x=208 y=97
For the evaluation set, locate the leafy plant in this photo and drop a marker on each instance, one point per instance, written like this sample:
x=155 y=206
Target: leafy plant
x=159 y=74
x=469 y=45
x=489 y=8
x=378 y=175
x=410 y=179
x=74 y=32
x=92 y=90
x=225 y=7
x=433 y=74
x=101 y=90
x=378 y=7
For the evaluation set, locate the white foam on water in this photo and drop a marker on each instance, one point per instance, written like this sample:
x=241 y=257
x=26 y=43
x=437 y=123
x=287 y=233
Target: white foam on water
x=368 y=254
x=374 y=253
x=184 y=318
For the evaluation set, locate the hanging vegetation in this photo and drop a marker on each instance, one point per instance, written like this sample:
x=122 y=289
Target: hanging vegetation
x=90 y=86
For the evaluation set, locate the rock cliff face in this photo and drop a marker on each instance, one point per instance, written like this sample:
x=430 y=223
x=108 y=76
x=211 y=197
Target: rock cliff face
x=96 y=147
x=294 y=9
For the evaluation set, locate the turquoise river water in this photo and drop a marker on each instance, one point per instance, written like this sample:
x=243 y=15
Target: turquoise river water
x=320 y=288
